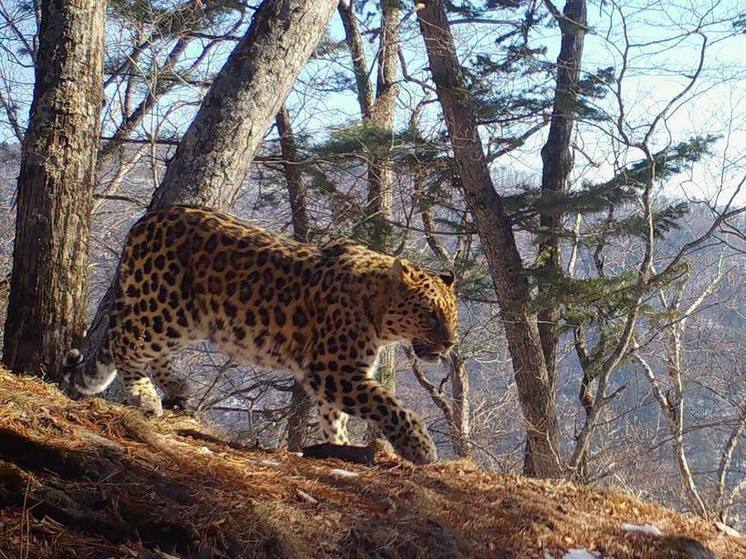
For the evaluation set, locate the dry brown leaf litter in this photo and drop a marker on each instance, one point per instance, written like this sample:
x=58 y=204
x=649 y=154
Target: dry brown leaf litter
x=103 y=481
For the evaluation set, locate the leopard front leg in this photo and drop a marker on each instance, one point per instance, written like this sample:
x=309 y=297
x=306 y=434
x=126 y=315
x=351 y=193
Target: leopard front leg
x=176 y=388
x=332 y=423
x=140 y=390
x=356 y=394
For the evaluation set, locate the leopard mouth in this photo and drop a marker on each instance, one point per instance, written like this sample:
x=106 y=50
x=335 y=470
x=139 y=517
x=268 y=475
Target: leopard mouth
x=425 y=351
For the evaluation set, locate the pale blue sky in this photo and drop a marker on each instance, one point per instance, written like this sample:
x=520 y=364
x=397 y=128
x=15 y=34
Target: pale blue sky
x=717 y=106
x=656 y=73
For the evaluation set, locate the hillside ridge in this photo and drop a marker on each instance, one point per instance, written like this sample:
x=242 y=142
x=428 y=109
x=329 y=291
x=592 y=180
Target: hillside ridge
x=95 y=479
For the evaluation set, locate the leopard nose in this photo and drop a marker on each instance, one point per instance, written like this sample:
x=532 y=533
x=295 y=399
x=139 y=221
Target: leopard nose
x=445 y=348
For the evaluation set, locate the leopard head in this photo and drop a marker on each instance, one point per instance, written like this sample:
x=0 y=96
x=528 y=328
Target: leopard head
x=422 y=309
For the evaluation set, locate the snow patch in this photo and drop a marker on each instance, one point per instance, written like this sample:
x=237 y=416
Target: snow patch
x=648 y=529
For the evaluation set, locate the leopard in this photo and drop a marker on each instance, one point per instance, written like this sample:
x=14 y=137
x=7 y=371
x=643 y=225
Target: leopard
x=321 y=312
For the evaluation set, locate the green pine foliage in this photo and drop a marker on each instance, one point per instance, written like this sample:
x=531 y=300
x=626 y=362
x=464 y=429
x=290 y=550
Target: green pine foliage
x=621 y=189
x=357 y=139
x=740 y=23
x=168 y=18
x=593 y=86
x=599 y=298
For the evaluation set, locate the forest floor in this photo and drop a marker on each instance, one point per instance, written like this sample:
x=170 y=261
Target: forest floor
x=94 y=479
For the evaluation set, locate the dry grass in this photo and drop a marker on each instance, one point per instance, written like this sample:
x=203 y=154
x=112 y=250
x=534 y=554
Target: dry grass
x=92 y=479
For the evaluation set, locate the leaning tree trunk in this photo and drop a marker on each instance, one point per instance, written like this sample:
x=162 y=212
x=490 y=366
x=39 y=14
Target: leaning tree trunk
x=214 y=155
x=354 y=40
x=557 y=164
x=496 y=235
x=46 y=311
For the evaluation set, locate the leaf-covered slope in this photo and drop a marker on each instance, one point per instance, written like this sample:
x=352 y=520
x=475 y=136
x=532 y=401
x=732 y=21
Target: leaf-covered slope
x=93 y=479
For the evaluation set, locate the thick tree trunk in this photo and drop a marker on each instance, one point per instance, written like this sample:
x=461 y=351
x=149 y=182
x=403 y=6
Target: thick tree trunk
x=46 y=311
x=300 y=402
x=354 y=41
x=214 y=155
x=380 y=177
x=557 y=164
x=494 y=227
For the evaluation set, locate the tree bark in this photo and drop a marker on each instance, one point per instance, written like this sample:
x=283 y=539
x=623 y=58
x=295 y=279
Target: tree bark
x=293 y=176
x=214 y=155
x=461 y=405
x=354 y=41
x=46 y=311
x=300 y=402
x=380 y=177
x=557 y=161
x=496 y=235
x=557 y=164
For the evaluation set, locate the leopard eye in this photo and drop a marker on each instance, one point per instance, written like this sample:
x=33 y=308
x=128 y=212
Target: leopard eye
x=432 y=317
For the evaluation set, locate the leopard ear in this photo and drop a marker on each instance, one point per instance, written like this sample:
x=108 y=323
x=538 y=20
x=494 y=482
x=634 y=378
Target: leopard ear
x=448 y=278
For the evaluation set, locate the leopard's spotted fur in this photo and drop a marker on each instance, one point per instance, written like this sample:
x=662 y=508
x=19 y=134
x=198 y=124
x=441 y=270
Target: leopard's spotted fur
x=189 y=274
